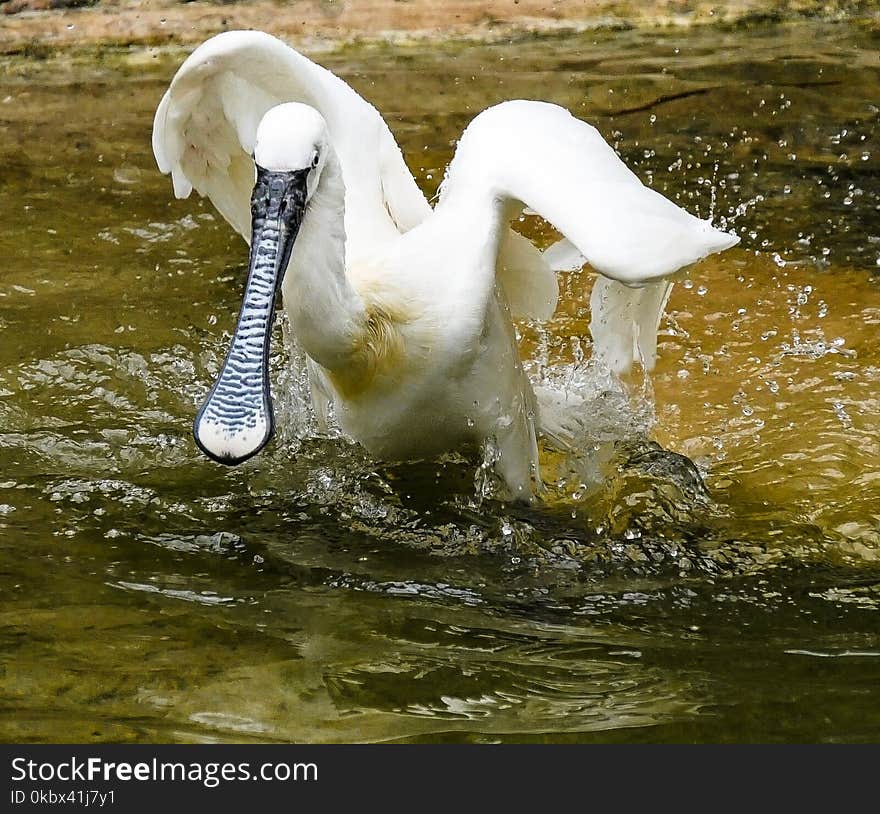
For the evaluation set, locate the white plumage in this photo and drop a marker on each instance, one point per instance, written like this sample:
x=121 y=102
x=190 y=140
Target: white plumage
x=405 y=311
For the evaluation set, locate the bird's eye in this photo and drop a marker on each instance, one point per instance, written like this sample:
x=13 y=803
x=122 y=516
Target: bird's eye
x=315 y=160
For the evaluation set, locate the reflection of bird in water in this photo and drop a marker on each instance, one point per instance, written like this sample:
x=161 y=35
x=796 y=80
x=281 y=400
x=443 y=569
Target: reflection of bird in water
x=404 y=311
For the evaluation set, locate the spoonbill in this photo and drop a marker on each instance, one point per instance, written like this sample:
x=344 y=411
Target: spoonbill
x=404 y=311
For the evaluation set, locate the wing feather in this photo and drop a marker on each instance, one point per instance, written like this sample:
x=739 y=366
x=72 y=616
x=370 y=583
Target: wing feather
x=538 y=156
x=205 y=128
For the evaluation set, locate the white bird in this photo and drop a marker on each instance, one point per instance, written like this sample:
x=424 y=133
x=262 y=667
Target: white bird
x=403 y=311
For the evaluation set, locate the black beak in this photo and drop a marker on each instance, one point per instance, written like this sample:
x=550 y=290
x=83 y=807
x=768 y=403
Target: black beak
x=236 y=420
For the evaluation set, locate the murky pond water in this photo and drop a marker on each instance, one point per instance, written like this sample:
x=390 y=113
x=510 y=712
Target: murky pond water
x=707 y=567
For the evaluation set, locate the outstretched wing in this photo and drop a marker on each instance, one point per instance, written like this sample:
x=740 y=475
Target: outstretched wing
x=540 y=156
x=206 y=124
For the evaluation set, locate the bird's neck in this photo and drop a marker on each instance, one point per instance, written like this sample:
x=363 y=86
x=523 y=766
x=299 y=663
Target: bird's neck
x=326 y=314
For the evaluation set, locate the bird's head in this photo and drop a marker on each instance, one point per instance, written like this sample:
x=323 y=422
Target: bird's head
x=291 y=147
x=292 y=140
x=290 y=151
